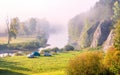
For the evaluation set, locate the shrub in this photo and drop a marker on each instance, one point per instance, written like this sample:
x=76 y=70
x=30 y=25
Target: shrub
x=112 y=61
x=56 y=49
x=25 y=45
x=69 y=48
x=88 y=63
x=47 y=50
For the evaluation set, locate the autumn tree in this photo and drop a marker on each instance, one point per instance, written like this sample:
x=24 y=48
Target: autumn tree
x=13 y=29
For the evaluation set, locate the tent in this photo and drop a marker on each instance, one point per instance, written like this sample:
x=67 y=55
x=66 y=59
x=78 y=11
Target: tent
x=33 y=54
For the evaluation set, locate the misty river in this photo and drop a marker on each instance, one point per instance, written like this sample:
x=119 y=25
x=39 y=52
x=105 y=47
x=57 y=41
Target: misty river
x=58 y=40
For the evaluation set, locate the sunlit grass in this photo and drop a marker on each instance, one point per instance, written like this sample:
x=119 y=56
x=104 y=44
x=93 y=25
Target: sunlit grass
x=51 y=73
x=3 y=40
x=54 y=65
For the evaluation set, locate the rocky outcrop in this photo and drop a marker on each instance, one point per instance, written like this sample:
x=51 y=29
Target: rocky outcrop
x=87 y=36
x=109 y=42
x=92 y=28
x=101 y=33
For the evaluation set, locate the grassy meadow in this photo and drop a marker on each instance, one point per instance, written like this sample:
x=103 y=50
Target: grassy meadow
x=3 y=40
x=21 y=65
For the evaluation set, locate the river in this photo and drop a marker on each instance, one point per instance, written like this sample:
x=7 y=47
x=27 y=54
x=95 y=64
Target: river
x=58 y=40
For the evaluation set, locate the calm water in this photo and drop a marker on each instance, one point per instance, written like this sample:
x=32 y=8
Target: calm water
x=58 y=40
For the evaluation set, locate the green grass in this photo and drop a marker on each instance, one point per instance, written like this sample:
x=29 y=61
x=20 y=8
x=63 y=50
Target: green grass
x=3 y=40
x=21 y=65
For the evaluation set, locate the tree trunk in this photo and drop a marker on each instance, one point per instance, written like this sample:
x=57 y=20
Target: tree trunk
x=7 y=22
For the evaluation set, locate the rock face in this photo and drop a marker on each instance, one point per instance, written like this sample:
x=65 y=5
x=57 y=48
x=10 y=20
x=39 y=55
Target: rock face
x=101 y=33
x=92 y=28
x=109 y=42
x=87 y=37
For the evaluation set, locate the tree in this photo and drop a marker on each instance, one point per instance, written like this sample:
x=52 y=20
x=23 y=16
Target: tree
x=117 y=35
x=14 y=26
x=8 y=30
x=32 y=23
x=116 y=18
x=42 y=40
x=116 y=10
x=69 y=48
x=55 y=49
x=12 y=29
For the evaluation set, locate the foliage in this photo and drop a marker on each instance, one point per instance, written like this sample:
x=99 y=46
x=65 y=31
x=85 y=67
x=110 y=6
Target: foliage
x=26 y=45
x=88 y=63
x=75 y=26
x=112 y=61
x=18 y=46
x=13 y=29
x=32 y=28
x=32 y=25
x=84 y=40
x=47 y=50
x=116 y=18
x=55 y=49
x=42 y=40
x=116 y=9
x=14 y=26
x=69 y=48
x=117 y=36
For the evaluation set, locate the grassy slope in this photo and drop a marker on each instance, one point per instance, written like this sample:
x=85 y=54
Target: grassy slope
x=21 y=65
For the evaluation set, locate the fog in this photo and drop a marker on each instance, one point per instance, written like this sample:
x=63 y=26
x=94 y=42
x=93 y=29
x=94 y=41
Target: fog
x=58 y=36
x=57 y=12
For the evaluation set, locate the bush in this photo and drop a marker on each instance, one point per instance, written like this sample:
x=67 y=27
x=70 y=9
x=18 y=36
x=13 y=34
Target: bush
x=3 y=46
x=69 y=48
x=112 y=61
x=25 y=45
x=46 y=50
x=56 y=49
x=88 y=63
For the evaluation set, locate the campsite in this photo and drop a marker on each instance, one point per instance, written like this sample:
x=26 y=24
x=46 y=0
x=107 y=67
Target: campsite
x=59 y=37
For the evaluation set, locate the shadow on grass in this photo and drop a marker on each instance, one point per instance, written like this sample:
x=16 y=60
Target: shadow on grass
x=8 y=72
x=7 y=68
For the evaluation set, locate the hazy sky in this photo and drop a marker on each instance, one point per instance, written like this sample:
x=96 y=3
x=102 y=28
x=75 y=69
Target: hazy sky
x=55 y=11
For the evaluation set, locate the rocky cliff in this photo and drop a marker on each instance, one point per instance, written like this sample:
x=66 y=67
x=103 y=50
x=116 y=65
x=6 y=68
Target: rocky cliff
x=109 y=42
x=101 y=33
x=92 y=28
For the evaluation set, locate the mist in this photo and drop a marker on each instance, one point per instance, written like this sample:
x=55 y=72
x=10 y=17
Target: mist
x=58 y=36
x=57 y=12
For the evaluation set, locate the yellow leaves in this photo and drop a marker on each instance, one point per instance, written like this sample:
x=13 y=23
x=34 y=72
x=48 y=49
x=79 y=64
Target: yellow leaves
x=88 y=63
x=112 y=60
